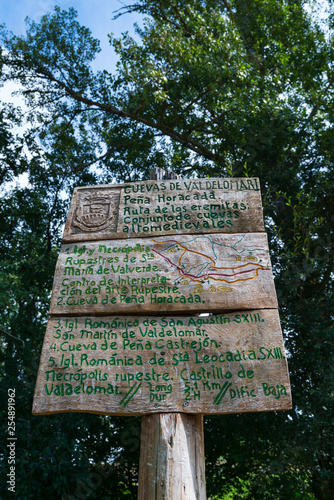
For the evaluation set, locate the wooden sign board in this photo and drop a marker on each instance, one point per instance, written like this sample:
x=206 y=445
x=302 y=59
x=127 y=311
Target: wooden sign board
x=135 y=365
x=165 y=207
x=202 y=273
x=164 y=248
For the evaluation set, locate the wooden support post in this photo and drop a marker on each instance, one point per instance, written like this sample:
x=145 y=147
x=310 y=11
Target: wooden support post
x=159 y=174
x=172 y=465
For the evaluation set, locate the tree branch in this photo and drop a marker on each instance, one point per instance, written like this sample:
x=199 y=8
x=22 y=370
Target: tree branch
x=167 y=130
x=317 y=106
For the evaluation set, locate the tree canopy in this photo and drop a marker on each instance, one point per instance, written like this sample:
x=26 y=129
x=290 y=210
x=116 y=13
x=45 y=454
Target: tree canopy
x=213 y=88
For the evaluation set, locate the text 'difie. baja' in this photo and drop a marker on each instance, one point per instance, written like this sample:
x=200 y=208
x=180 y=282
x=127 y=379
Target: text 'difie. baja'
x=224 y=363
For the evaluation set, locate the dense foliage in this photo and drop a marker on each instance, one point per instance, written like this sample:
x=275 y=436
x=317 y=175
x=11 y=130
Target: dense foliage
x=215 y=88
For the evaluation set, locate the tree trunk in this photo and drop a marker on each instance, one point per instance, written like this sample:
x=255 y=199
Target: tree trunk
x=172 y=465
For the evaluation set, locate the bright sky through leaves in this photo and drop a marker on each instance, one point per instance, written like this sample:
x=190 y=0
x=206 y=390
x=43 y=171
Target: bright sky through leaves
x=97 y=16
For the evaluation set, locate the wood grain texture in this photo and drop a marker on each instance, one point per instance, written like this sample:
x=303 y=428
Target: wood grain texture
x=226 y=363
x=217 y=272
x=164 y=208
x=172 y=462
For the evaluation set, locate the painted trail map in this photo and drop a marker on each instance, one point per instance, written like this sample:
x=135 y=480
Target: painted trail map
x=206 y=272
x=199 y=267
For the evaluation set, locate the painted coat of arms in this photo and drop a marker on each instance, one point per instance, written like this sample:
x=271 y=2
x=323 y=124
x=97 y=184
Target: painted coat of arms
x=95 y=212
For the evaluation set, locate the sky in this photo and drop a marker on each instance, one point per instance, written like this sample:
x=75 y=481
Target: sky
x=97 y=15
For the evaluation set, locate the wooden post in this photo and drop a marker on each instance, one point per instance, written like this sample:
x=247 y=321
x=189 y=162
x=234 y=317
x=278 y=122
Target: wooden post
x=172 y=465
x=159 y=174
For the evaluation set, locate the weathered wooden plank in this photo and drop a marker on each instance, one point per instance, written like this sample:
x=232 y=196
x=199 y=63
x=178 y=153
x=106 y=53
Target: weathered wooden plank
x=172 y=462
x=226 y=363
x=209 y=273
x=164 y=207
